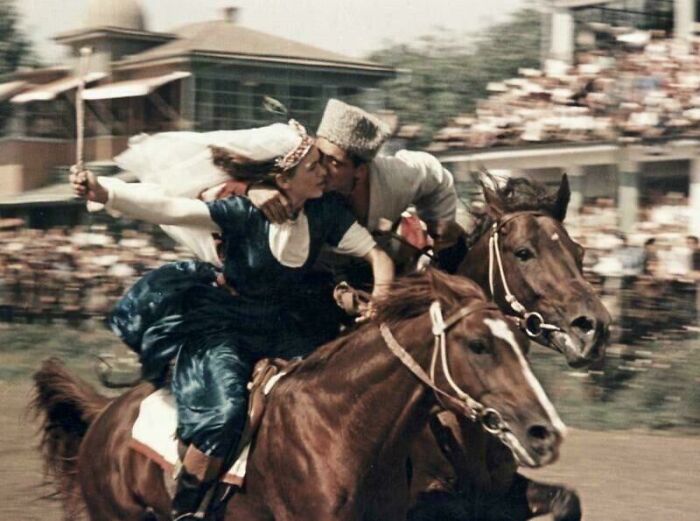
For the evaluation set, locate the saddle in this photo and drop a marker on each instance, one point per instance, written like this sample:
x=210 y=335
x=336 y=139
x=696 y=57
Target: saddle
x=266 y=374
x=153 y=433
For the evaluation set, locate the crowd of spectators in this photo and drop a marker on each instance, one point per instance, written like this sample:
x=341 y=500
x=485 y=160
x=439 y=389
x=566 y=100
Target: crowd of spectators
x=649 y=277
x=629 y=93
x=73 y=275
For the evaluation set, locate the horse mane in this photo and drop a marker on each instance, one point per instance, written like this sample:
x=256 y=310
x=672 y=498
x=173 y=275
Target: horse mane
x=412 y=295
x=409 y=296
x=517 y=194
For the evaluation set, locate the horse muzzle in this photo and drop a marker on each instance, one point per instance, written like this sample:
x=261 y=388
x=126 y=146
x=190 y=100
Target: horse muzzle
x=582 y=343
x=536 y=447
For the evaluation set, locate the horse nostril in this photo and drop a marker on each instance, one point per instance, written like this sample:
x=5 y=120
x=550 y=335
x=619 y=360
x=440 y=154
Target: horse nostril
x=584 y=324
x=540 y=433
x=542 y=439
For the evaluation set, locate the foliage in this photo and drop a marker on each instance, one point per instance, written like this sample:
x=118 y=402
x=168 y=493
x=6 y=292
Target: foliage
x=24 y=346
x=650 y=386
x=15 y=47
x=444 y=74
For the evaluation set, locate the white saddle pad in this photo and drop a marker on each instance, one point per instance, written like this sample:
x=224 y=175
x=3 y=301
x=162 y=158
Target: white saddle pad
x=153 y=435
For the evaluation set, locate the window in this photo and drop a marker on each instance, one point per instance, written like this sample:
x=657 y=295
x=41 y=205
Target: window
x=224 y=103
x=218 y=103
x=305 y=104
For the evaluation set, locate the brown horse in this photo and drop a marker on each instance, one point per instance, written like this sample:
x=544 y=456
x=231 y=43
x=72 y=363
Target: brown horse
x=522 y=256
x=534 y=269
x=337 y=426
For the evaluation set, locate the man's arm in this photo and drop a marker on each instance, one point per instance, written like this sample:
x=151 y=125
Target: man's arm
x=435 y=198
x=434 y=195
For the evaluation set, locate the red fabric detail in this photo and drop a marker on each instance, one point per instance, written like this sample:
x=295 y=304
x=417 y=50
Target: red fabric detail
x=413 y=231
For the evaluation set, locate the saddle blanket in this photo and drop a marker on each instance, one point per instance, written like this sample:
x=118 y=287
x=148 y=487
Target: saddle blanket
x=153 y=435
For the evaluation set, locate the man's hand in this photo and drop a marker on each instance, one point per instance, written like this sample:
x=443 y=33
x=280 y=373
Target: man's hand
x=270 y=202
x=444 y=233
x=86 y=186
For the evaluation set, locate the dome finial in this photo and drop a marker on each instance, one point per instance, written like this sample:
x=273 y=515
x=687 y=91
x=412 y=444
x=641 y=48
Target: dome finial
x=125 y=14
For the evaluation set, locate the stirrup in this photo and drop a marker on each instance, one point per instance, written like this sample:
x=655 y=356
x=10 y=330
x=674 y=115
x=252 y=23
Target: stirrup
x=189 y=516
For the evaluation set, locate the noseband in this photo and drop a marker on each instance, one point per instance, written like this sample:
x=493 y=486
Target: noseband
x=531 y=322
x=490 y=418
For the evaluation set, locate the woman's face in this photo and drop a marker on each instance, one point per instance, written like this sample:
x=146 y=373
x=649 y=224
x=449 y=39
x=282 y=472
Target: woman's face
x=308 y=180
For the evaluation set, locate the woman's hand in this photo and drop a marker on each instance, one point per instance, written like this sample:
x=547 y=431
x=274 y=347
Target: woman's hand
x=86 y=185
x=367 y=312
x=354 y=302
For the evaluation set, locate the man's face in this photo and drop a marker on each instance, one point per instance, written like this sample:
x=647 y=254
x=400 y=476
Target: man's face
x=341 y=170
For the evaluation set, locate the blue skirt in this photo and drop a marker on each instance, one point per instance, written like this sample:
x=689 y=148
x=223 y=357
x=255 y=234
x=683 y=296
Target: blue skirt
x=178 y=312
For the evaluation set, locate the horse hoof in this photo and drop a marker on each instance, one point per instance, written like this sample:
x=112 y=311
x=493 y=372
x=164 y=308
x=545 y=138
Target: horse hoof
x=566 y=506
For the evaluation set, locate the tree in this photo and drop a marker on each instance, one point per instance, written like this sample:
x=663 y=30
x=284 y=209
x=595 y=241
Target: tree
x=15 y=47
x=444 y=74
x=15 y=50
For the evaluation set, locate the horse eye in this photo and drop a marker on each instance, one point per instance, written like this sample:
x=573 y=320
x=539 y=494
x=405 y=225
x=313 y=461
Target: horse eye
x=524 y=254
x=478 y=346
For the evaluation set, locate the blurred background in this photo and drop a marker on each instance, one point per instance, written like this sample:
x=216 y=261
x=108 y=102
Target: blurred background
x=605 y=91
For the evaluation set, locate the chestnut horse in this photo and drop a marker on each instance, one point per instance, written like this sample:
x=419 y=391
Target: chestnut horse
x=336 y=426
x=522 y=256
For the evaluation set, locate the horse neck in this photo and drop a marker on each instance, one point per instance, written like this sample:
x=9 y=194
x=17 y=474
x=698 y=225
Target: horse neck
x=379 y=405
x=475 y=265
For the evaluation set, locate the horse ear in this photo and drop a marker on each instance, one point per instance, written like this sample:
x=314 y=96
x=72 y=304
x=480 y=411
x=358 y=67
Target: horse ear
x=494 y=206
x=562 y=201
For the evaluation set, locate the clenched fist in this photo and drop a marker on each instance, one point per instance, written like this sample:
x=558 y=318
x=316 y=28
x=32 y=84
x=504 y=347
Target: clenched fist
x=86 y=185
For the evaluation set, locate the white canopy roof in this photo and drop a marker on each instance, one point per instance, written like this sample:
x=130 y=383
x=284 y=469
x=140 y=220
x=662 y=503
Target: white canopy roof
x=49 y=91
x=10 y=88
x=132 y=88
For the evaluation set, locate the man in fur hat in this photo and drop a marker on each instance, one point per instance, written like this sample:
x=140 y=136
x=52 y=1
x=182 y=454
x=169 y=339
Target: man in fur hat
x=376 y=187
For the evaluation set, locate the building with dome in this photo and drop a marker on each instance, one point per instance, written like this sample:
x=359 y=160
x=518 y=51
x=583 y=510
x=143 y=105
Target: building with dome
x=201 y=76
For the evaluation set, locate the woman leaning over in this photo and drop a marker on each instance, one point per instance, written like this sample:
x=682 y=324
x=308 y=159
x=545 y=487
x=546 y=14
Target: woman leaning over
x=218 y=323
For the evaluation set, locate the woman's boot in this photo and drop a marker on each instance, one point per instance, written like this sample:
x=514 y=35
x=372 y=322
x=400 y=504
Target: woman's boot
x=198 y=474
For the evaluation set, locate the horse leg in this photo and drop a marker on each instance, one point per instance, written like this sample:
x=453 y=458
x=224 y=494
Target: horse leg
x=562 y=502
x=521 y=497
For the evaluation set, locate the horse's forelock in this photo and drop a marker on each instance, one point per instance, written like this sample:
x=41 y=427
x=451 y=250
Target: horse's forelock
x=518 y=194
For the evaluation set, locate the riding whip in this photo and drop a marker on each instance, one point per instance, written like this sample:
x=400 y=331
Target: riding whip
x=85 y=53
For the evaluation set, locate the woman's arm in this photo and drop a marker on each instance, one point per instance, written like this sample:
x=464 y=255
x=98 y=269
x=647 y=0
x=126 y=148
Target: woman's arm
x=357 y=242
x=145 y=205
x=382 y=270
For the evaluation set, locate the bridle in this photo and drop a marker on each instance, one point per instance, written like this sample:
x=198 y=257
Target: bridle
x=531 y=322
x=490 y=418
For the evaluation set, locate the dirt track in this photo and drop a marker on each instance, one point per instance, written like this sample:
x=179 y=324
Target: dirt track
x=622 y=476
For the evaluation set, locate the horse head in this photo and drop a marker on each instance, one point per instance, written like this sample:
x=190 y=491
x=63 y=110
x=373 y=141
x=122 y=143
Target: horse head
x=478 y=368
x=523 y=254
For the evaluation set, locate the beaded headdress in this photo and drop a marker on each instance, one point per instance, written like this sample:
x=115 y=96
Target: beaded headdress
x=294 y=156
